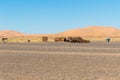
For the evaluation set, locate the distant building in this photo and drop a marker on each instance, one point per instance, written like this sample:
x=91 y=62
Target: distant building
x=108 y=39
x=4 y=39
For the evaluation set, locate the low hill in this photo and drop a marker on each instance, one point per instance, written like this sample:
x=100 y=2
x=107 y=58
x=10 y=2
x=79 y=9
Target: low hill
x=10 y=33
x=93 y=32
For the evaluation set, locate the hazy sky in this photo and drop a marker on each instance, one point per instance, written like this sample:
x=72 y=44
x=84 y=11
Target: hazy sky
x=52 y=16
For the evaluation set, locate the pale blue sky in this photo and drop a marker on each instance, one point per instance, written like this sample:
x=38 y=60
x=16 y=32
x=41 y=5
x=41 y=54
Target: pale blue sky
x=53 y=16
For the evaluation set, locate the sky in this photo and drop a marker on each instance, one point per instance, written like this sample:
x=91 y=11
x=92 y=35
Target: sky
x=54 y=16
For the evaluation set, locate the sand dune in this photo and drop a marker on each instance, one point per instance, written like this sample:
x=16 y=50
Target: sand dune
x=10 y=33
x=92 y=31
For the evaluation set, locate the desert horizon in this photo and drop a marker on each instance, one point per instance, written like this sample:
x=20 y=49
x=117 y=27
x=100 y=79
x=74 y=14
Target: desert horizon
x=90 y=32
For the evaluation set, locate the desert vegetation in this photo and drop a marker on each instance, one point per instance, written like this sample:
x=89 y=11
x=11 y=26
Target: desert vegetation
x=51 y=39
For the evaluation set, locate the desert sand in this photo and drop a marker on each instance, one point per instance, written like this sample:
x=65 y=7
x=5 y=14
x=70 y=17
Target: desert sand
x=89 y=32
x=93 y=31
x=11 y=33
x=60 y=61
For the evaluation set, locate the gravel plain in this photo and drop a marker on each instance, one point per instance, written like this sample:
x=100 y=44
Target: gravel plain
x=60 y=61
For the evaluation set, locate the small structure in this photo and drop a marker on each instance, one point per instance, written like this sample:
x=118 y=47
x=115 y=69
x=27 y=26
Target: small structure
x=108 y=39
x=44 y=39
x=77 y=40
x=4 y=40
x=59 y=39
x=71 y=39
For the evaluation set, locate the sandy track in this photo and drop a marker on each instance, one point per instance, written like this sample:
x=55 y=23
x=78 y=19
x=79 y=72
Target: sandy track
x=65 y=47
x=60 y=61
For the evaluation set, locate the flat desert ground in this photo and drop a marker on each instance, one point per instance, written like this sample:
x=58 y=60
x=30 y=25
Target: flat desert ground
x=60 y=61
